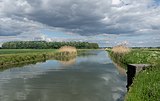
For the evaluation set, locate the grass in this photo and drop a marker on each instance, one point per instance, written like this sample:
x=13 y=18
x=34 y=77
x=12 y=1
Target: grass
x=9 y=57
x=137 y=56
x=17 y=51
x=13 y=57
x=120 y=49
x=66 y=52
x=146 y=85
x=68 y=49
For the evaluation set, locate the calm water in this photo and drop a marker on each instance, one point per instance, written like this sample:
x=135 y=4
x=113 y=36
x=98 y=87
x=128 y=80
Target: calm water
x=90 y=77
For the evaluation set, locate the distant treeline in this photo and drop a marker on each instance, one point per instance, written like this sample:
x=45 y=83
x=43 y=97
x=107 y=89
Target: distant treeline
x=47 y=45
x=144 y=47
x=136 y=47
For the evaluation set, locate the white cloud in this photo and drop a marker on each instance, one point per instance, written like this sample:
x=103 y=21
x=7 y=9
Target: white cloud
x=115 y=2
x=127 y=18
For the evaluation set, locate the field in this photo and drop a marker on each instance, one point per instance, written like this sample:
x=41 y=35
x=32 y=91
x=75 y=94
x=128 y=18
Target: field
x=17 y=51
x=146 y=85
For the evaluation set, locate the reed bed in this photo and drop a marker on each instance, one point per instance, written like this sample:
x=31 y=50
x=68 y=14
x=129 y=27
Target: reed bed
x=118 y=53
x=121 y=49
x=66 y=51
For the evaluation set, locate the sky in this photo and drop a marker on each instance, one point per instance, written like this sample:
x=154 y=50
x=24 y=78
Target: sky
x=106 y=22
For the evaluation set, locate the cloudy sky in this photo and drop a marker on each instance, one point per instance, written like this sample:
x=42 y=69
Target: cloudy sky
x=107 y=22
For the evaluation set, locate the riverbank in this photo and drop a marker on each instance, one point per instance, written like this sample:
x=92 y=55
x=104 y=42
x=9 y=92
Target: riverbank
x=15 y=57
x=146 y=85
x=11 y=57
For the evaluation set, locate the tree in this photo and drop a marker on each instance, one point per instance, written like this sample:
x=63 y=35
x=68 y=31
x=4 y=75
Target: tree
x=47 y=45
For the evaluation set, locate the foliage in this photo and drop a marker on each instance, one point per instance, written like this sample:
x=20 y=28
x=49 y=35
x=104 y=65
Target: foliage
x=146 y=85
x=47 y=45
x=17 y=51
x=13 y=57
x=30 y=56
x=137 y=56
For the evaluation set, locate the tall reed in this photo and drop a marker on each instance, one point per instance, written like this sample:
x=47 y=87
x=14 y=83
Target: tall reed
x=120 y=49
x=68 y=49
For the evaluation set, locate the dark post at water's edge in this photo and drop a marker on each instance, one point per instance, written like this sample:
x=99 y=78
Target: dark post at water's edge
x=132 y=70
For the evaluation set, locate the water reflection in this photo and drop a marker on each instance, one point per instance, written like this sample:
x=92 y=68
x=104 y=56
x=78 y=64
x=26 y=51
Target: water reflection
x=89 y=78
x=21 y=64
x=66 y=60
x=121 y=69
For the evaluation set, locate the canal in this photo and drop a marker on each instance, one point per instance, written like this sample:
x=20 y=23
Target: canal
x=88 y=77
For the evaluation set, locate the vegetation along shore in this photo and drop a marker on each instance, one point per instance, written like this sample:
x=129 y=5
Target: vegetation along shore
x=21 y=52
x=21 y=56
x=146 y=84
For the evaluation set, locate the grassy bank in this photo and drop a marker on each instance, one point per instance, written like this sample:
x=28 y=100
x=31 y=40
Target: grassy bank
x=136 y=56
x=17 y=51
x=146 y=85
x=10 y=57
x=15 y=57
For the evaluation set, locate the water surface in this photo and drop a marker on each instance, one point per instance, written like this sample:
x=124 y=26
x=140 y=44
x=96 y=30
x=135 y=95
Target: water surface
x=90 y=77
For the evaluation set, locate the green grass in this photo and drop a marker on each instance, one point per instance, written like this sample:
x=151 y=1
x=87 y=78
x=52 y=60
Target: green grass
x=146 y=85
x=10 y=57
x=137 y=56
x=13 y=57
x=17 y=51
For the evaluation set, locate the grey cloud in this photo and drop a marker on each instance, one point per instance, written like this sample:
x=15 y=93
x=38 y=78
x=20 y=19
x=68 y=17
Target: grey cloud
x=70 y=15
x=85 y=17
x=13 y=27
